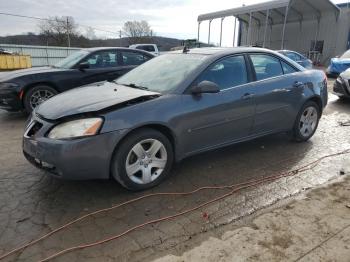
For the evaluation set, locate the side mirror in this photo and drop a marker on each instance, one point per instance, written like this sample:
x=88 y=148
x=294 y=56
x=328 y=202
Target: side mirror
x=205 y=87
x=83 y=66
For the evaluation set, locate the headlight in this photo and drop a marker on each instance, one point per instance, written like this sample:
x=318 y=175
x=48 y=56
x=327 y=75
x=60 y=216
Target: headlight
x=76 y=128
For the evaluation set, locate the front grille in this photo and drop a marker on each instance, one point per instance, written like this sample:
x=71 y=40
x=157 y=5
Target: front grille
x=34 y=129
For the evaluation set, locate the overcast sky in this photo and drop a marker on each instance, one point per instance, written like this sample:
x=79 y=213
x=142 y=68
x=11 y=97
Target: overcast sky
x=172 y=18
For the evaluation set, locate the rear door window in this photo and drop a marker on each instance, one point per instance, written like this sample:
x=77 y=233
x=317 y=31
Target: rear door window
x=102 y=59
x=266 y=66
x=133 y=58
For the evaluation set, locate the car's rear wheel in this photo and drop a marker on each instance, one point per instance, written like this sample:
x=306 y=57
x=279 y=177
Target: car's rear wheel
x=142 y=160
x=37 y=95
x=307 y=121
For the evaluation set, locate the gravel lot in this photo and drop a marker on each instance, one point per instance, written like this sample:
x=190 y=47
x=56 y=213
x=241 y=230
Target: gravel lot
x=32 y=203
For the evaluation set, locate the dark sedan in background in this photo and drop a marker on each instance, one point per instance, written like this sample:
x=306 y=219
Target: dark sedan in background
x=27 y=88
x=176 y=105
x=297 y=57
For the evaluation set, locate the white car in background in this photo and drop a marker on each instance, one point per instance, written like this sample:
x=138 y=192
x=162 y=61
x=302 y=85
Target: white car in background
x=151 y=48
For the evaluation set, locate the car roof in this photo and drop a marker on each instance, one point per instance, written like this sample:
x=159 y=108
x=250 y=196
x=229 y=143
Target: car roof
x=222 y=51
x=93 y=49
x=214 y=53
x=285 y=50
x=141 y=44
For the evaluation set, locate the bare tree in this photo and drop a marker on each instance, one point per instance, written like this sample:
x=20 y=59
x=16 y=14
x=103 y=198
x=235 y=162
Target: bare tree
x=58 y=30
x=137 y=31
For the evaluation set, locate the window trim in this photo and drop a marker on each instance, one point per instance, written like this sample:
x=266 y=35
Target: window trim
x=248 y=70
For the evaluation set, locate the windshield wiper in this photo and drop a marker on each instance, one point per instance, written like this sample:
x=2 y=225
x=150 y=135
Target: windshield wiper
x=132 y=85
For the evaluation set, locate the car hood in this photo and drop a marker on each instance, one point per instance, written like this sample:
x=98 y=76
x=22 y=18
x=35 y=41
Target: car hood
x=5 y=76
x=91 y=98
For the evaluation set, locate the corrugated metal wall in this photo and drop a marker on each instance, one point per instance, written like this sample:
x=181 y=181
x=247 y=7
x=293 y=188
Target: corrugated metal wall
x=298 y=36
x=41 y=55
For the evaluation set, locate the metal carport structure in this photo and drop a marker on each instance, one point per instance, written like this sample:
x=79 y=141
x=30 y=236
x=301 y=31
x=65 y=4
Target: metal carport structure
x=273 y=13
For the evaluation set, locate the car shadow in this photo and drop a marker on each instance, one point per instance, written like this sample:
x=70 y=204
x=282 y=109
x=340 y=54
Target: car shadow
x=230 y=165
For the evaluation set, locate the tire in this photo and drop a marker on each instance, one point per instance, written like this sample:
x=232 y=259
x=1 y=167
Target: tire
x=33 y=95
x=138 y=168
x=306 y=125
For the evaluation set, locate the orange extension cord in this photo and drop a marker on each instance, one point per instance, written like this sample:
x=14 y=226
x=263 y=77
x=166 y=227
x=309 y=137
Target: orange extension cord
x=234 y=188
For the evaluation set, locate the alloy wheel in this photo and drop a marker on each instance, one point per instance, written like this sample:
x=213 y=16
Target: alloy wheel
x=39 y=97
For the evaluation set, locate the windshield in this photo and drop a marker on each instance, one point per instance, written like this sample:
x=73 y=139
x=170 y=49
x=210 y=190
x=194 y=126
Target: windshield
x=346 y=55
x=72 y=59
x=163 y=73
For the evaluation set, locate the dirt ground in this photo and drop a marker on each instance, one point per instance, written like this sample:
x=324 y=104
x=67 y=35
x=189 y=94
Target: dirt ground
x=314 y=228
x=32 y=203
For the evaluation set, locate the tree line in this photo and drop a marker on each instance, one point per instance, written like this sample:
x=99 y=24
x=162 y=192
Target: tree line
x=64 y=31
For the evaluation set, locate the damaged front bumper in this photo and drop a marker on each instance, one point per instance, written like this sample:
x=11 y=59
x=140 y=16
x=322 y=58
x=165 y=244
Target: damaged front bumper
x=76 y=159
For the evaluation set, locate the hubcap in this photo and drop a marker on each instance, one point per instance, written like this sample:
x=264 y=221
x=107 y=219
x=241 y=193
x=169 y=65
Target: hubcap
x=308 y=121
x=146 y=161
x=39 y=97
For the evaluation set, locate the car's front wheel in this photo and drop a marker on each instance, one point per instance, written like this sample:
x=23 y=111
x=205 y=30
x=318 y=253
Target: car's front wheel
x=307 y=121
x=37 y=95
x=142 y=160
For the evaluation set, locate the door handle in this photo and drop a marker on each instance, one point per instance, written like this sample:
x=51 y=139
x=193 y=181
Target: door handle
x=298 y=84
x=247 y=96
